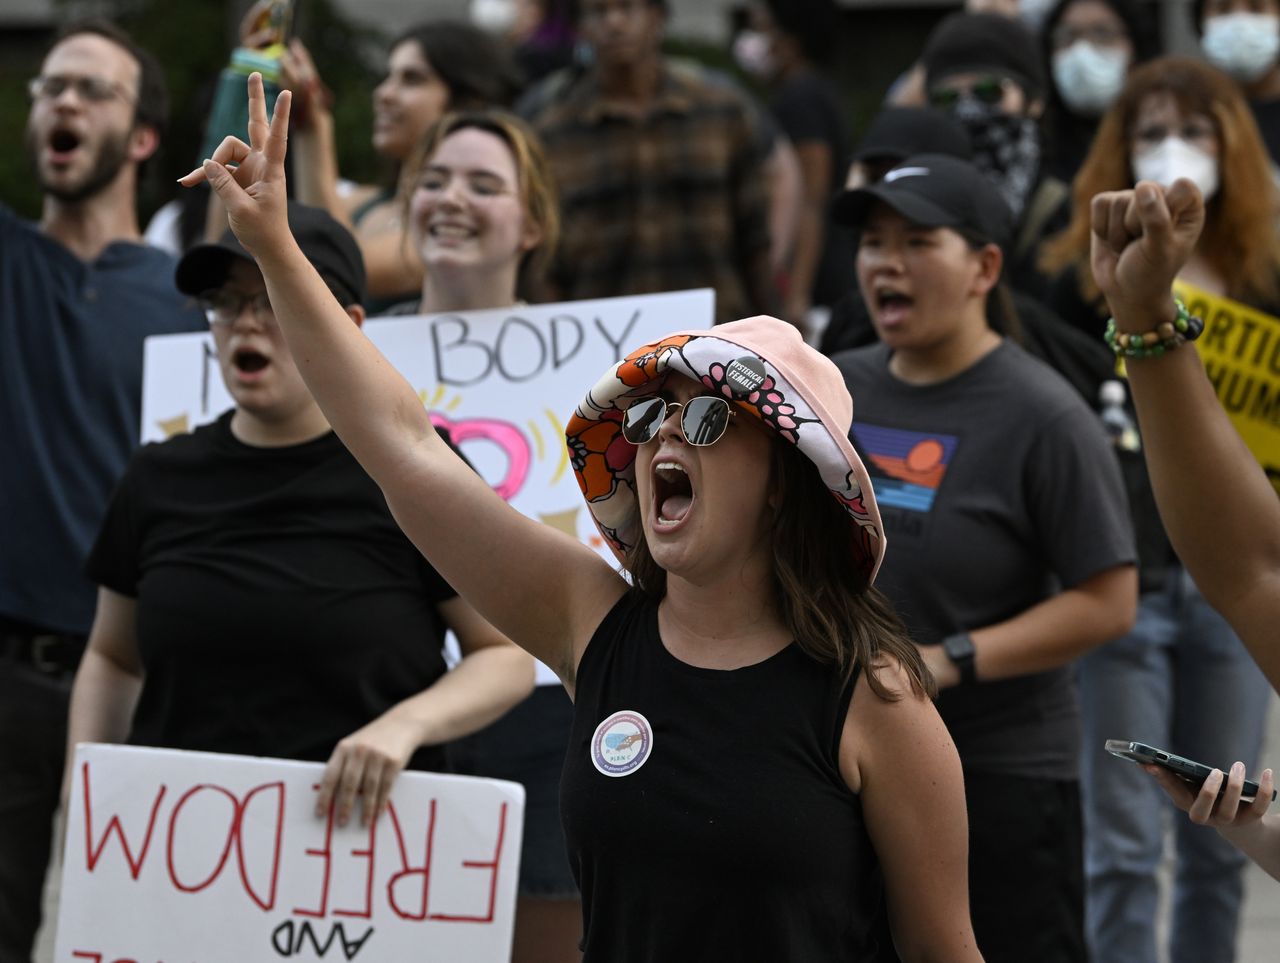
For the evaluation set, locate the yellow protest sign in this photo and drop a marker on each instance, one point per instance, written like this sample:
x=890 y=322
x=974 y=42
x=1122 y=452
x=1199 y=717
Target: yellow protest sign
x=1240 y=349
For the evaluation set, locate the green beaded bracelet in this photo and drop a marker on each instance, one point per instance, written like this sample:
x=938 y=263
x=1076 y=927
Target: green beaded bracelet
x=1154 y=343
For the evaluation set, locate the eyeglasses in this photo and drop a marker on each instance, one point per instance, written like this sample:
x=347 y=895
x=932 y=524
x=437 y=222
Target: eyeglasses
x=225 y=307
x=986 y=90
x=92 y=90
x=703 y=420
x=478 y=184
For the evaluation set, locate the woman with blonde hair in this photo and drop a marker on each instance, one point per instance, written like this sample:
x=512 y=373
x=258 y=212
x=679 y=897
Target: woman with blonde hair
x=482 y=221
x=1181 y=679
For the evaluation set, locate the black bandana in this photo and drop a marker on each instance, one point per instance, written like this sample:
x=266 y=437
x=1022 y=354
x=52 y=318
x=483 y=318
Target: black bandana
x=1005 y=147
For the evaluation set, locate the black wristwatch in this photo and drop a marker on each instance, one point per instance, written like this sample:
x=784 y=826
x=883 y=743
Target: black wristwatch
x=959 y=649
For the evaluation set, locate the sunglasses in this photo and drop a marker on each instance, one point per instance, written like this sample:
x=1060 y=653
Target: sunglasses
x=987 y=90
x=703 y=419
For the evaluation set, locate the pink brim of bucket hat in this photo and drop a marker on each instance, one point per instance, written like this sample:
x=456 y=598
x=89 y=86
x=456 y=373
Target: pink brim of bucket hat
x=764 y=367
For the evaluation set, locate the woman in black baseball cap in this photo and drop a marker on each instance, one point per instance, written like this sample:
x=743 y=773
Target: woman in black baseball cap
x=256 y=595
x=997 y=486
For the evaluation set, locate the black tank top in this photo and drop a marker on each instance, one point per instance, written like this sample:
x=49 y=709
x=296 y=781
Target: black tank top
x=705 y=812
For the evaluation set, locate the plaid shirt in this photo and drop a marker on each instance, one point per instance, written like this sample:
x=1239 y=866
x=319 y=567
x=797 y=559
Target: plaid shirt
x=668 y=201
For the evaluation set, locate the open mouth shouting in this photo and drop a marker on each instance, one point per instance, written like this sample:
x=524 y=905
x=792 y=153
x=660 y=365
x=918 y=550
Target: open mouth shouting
x=62 y=145
x=672 y=494
x=249 y=363
x=892 y=304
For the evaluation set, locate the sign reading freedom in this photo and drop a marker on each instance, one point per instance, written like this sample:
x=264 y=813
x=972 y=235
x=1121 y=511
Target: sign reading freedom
x=186 y=857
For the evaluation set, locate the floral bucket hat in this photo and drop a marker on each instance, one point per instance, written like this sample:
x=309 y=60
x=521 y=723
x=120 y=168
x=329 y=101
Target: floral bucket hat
x=764 y=367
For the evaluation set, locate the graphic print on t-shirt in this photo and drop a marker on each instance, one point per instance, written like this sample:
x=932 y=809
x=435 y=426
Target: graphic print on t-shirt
x=906 y=467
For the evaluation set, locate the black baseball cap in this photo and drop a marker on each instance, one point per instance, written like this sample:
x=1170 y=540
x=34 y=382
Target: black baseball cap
x=898 y=132
x=934 y=190
x=327 y=245
x=984 y=43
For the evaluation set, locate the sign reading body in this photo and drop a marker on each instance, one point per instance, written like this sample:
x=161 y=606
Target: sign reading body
x=1240 y=348
x=181 y=857
x=503 y=382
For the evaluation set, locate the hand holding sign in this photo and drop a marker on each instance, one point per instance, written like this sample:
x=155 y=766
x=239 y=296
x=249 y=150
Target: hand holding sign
x=367 y=763
x=1141 y=240
x=254 y=190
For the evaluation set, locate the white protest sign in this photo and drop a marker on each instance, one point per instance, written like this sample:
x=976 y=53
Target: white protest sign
x=186 y=857
x=504 y=383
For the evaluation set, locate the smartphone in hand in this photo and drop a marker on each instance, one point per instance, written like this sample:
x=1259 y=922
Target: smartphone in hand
x=1191 y=772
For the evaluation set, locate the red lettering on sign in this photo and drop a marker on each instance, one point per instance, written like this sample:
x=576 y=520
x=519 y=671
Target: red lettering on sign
x=233 y=825
x=366 y=854
x=327 y=855
x=424 y=871
x=270 y=902
x=92 y=855
x=491 y=865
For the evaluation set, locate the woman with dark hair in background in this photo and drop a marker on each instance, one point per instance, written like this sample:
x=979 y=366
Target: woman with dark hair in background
x=1090 y=46
x=1012 y=555
x=1181 y=679
x=431 y=69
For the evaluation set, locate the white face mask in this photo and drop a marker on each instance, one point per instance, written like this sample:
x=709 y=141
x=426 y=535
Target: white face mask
x=1173 y=158
x=1243 y=45
x=493 y=16
x=1089 y=77
x=754 y=53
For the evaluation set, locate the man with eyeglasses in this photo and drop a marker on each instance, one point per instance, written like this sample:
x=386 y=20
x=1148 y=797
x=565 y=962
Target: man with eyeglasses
x=78 y=293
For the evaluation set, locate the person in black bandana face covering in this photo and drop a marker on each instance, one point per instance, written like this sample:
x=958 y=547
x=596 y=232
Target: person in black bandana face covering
x=986 y=71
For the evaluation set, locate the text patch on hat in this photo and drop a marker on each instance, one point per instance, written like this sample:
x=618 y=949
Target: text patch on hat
x=745 y=375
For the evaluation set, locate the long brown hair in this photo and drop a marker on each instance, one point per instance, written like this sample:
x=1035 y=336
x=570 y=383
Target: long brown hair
x=833 y=615
x=1239 y=240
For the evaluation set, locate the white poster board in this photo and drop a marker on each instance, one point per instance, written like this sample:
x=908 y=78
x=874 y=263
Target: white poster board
x=504 y=382
x=186 y=857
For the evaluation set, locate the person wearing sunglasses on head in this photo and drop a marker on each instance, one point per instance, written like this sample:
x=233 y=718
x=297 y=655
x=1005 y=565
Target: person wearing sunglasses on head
x=753 y=749
x=1013 y=554
x=79 y=292
x=256 y=595
x=985 y=70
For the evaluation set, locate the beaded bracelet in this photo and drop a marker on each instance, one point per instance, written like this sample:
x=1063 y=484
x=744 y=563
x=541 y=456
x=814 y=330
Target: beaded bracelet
x=1164 y=337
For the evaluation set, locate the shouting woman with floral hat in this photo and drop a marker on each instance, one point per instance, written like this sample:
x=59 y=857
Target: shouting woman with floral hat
x=754 y=752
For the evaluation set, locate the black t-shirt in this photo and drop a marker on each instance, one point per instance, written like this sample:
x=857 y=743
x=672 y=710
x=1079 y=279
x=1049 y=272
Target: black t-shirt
x=705 y=812
x=997 y=487
x=808 y=110
x=279 y=606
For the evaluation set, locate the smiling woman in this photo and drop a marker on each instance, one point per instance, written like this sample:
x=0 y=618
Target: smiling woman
x=431 y=68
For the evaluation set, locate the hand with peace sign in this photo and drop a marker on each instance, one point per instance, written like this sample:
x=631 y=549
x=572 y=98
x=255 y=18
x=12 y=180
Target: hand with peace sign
x=253 y=191
x=1141 y=240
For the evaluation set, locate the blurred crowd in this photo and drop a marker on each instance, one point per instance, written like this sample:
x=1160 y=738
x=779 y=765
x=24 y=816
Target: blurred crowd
x=550 y=150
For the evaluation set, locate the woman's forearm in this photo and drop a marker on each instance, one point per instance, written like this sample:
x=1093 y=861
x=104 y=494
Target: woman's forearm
x=103 y=701
x=477 y=691
x=315 y=166
x=1059 y=629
